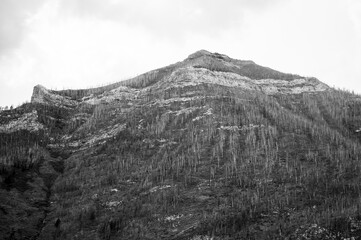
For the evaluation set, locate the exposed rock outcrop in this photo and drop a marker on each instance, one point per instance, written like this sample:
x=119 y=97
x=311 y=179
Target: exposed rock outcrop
x=195 y=150
x=297 y=86
x=46 y=96
x=191 y=76
x=28 y=121
x=201 y=67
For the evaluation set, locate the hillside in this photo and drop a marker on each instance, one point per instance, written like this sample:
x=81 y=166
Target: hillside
x=207 y=148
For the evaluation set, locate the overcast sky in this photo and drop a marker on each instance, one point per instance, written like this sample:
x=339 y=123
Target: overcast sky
x=86 y=43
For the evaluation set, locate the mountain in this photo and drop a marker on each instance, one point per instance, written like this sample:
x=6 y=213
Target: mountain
x=207 y=148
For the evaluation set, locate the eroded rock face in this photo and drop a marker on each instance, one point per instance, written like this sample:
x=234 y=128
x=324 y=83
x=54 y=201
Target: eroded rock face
x=183 y=77
x=134 y=143
x=117 y=94
x=46 y=96
x=195 y=76
x=29 y=121
x=38 y=94
x=201 y=67
x=199 y=54
x=297 y=86
x=191 y=76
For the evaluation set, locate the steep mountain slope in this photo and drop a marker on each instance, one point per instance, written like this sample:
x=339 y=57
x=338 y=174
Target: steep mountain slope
x=207 y=148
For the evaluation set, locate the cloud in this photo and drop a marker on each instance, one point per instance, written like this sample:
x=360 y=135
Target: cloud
x=173 y=20
x=83 y=43
x=170 y=19
x=13 y=21
x=354 y=11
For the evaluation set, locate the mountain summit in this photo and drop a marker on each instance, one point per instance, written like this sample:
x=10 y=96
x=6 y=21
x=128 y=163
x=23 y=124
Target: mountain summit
x=207 y=148
x=200 y=68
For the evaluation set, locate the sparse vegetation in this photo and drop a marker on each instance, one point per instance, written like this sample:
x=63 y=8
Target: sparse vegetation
x=193 y=162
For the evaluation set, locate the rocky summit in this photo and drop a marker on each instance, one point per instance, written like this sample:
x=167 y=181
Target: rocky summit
x=207 y=148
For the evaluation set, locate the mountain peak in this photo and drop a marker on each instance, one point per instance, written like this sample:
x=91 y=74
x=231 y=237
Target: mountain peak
x=199 y=53
x=38 y=93
x=202 y=53
x=201 y=67
x=153 y=155
x=45 y=96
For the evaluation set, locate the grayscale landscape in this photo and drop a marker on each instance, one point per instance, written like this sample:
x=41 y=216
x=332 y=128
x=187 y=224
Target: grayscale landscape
x=209 y=146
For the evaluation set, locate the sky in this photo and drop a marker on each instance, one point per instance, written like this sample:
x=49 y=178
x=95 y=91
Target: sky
x=64 y=44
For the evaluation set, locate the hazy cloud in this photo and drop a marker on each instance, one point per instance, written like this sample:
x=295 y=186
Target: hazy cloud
x=13 y=21
x=171 y=19
x=83 y=43
x=168 y=19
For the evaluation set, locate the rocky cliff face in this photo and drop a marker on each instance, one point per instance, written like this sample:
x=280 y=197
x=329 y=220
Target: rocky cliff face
x=207 y=148
x=44 y=96
x=199 y=68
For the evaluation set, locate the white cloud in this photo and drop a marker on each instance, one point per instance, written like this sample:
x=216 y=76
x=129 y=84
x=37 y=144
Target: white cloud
x=313 y=38
x=82 y=43
x=13 y=15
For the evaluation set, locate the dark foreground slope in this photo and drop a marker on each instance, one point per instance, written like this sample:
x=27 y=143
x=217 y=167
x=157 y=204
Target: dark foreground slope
x=207 y=148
